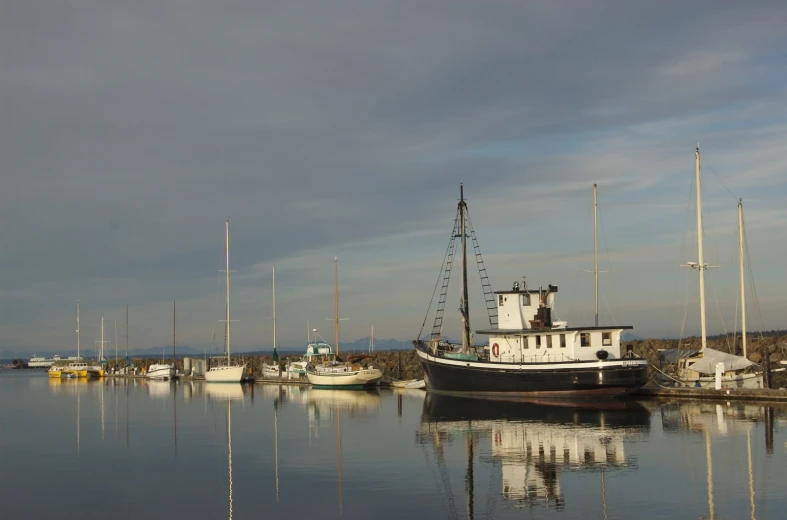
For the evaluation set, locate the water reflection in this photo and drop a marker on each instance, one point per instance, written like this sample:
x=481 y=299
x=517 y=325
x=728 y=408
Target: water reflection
x=533 y=442
x=721 y=420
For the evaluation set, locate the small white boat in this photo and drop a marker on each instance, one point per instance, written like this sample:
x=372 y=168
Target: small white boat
x=404 y=384
x=271 y=370
x=161 y=371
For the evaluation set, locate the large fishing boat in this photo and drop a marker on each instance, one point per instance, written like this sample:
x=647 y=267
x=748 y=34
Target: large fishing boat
x=529 y=352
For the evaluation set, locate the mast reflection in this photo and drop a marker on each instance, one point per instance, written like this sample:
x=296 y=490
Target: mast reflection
x=533 y=442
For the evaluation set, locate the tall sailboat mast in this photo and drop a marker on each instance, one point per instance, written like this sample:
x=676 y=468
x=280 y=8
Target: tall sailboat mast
x=700 y=264
x=743 y=284
x=465 y=307
x=701 y=258
x=273 y=294
x=595 y=247
x=336 y=302
x=78 y=330
x=173 y=331
x=227 y=248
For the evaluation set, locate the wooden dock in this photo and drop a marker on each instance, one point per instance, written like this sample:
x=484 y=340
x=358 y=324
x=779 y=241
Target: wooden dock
x=709 y=394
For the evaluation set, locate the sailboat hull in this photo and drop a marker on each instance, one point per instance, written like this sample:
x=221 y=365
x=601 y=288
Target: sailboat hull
x=587 y=379
x=351 y=379
x=225 y=374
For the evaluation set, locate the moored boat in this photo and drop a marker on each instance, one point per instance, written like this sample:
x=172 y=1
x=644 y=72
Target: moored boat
x=161 y=371
x=332 y=372
x=226 y=373
x=529 y=352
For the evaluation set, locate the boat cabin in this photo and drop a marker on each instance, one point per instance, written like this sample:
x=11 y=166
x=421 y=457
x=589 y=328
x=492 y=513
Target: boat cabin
x=527 y=333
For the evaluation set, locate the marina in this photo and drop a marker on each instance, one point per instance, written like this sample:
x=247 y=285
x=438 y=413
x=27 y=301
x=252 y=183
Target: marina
x=233 y=450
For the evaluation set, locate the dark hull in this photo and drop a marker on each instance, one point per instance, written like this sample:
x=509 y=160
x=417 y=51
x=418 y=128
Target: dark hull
x=611 y=413
x=590 y=381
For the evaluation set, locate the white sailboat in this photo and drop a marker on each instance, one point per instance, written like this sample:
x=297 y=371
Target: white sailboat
x=273 y=370
x=78 y=368
x=334 y=373
x=226 y=373
x=710 y=367
x=164 y=371
x=97 y=370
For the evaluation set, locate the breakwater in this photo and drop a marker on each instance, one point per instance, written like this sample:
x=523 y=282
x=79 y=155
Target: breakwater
x=395 y=365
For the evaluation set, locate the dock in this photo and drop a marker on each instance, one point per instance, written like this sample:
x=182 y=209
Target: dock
x=711 y=394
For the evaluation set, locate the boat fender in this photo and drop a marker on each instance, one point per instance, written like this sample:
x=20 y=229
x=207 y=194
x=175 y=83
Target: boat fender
x=602 y=354
x=496 y=350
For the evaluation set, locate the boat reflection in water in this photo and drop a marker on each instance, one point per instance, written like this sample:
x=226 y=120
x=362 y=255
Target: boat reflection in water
x=533 y=441
x=225 y=392
x=722 y=420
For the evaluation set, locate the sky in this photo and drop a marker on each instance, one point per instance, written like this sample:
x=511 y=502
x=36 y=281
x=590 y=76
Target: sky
x=129 y=132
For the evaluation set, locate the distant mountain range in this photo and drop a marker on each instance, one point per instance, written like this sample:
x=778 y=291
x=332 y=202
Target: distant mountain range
x=362 y=345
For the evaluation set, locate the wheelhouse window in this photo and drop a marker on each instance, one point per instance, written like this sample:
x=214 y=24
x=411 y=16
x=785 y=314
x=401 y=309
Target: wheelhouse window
x=584 y=339
x=538 y=341
x=499 y=300
x=549 y=341
x=526 y=300
x=525 y=342
x=606 y=338
x=562 y=341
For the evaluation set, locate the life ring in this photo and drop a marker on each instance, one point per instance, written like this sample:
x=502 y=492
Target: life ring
x=495 y=350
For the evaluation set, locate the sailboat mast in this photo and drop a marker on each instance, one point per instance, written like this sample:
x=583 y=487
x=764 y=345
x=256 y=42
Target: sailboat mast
x=336 y=301
x=743 y=284
x=701 y=258
x=595 y=247
x=227 y=249
x=126 y=331
x=273 y=292
x=116 y=341
x=78 y=330
x=464 y=303
x=173 y=331
x=101 y=355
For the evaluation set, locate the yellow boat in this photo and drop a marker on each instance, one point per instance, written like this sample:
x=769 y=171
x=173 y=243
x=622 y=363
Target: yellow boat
x=80 y=369
x=56 y=371
x=95 y=371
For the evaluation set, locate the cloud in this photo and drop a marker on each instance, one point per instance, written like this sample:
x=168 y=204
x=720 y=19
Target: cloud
x=130 y=131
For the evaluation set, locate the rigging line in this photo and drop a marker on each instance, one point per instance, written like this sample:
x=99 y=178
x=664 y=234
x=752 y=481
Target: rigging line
x=689 y=222
x=721 y=316
x=439 y=277
x=708 y=166
x=218 y=295
x=445 y=494
x=751 y=280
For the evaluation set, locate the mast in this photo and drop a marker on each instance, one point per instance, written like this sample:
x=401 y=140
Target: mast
x=700 y=265
x=173 y=332
x=116 y=341
x=78 y=330
x=465 y=308
x=701 y=258
x=101 y=355
x=336 y=302
x=273 y=292
x=595 y=248
x=227 y=248
x=126 y=332
x=743 y=284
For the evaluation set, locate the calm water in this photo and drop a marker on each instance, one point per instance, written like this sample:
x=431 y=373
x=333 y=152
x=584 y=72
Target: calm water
x=136 y=449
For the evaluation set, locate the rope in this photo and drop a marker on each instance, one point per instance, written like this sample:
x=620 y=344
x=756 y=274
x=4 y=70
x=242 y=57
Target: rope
x=442 y=266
